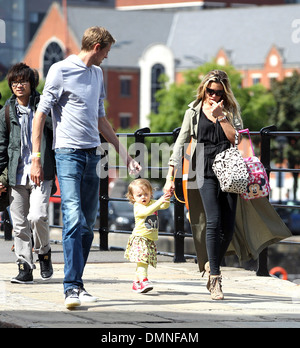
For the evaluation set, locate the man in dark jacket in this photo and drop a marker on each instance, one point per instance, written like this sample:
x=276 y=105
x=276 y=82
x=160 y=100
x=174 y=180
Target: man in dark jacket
x=28 y=202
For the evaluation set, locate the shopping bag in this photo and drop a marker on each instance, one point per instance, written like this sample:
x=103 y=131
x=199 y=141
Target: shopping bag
x=258 y=183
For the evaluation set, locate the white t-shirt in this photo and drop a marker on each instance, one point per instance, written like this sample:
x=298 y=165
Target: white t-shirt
x=75 y=93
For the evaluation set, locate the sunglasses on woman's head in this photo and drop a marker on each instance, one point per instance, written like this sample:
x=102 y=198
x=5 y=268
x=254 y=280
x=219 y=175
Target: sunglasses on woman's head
x=211 y=92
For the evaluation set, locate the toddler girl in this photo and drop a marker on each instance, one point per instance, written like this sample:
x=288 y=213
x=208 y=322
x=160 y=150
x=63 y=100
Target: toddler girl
x=141 y=247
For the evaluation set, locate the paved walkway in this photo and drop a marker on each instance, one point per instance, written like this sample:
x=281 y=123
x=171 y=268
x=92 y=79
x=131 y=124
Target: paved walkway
x=179 y=298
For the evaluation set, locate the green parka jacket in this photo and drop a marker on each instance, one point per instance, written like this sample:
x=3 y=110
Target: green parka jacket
x=257 y=224
x=10 y=142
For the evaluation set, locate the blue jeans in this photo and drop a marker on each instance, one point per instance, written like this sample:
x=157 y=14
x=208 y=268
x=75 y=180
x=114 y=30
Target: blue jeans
x=79 y=187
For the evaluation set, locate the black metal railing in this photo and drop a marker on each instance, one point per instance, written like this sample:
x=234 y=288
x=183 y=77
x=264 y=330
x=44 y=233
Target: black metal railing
x=266 y=135
x=179 y=234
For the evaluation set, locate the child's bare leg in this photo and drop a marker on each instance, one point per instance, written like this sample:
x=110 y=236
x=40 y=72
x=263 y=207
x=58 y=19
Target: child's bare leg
x=141 y=271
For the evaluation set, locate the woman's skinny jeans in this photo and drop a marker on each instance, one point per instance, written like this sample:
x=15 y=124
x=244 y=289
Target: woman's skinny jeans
x=220 y=209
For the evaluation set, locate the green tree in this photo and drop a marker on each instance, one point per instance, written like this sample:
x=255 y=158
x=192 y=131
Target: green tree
x=286 y=111
x=255 y=101
x=256 y=105
x=5 y=91
x=286 y=116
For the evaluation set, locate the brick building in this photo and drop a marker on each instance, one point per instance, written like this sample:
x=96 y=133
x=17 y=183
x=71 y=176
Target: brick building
x=191 y=4
x=262 y=42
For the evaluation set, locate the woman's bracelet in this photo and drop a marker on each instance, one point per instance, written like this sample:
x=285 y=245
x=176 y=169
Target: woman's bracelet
x=170 y=177
x=221 y=119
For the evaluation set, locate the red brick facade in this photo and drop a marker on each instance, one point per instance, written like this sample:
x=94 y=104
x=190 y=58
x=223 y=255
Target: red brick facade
x=123 y=106
x=227 y=3
x=272 y=69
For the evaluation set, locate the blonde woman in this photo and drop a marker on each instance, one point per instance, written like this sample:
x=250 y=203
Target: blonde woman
x=211 y=120
x=220 y=221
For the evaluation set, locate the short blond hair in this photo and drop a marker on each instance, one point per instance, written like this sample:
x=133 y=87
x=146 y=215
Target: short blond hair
x=144 y=183
x=94 y=35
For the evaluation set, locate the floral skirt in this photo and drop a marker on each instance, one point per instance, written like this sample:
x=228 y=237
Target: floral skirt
x=140 y=249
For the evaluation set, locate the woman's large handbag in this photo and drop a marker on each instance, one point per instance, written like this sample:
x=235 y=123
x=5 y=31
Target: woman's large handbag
x=258 y=185
x=231 y=170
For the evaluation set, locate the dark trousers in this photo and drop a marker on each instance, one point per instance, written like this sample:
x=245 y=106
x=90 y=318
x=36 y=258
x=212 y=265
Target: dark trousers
x=220 y=209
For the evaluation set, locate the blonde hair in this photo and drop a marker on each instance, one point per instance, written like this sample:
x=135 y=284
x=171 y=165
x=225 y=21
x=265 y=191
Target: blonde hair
x=138 y=183
x=231 y=105
x=94 y=35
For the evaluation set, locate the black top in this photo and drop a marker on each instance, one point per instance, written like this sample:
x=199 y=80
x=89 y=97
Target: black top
x=214 y=139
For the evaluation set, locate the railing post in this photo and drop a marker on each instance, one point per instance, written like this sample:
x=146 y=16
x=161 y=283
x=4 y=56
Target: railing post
x=104 y=199
x=265 y=153
x=179 y=232
x=139 y=152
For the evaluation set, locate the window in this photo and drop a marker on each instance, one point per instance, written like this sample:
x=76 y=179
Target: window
x=273 y=77
x=125 y=86
x=256 y=78
x=125 y=120
x=157 y=71
x=53 y=54
x=272 y=80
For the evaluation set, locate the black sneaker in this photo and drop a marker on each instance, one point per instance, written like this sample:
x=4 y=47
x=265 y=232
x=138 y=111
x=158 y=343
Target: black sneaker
x=25 y=274
x=46 y=266
x=72 y=298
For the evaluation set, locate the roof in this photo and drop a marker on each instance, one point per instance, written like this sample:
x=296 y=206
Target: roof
x=247 y=34
x=133 y=30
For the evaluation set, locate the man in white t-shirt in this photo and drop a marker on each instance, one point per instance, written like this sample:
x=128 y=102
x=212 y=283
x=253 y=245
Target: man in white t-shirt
x=74 y=91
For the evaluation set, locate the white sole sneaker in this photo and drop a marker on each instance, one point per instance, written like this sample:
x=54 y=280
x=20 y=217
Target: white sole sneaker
x=146 y=286
x=72 y=303
x=85 y=297
x=72 y=298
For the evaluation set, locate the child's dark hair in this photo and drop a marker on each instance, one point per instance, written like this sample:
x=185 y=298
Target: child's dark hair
x=138 y=182
x=21 y=72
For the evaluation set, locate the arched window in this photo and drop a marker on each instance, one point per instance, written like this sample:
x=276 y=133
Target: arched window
x=157 y=70
x=53 y=54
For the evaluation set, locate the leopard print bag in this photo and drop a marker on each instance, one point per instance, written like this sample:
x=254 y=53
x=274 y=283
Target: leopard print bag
x=231 y=170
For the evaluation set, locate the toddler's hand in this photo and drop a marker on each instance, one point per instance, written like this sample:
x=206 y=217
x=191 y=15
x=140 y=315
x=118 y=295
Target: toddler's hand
x=166 y=197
